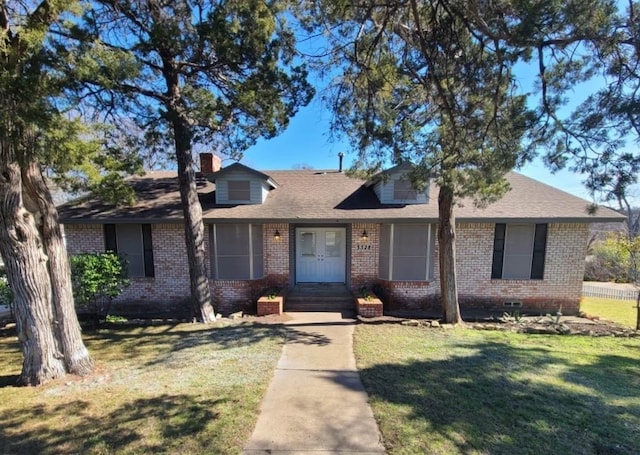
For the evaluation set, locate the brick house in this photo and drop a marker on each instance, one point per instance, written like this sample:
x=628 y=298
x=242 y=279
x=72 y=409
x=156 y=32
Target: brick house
x=283 y=228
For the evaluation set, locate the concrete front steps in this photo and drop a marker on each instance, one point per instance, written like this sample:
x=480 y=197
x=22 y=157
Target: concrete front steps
x=319 y=297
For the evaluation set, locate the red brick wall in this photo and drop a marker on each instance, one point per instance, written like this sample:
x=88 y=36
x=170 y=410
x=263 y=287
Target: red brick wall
x=369 y=309
x=171 y=281
x=409 y=294
x=563 y=271
x=235 y=295
x=364 y=272
x=84 y=238
x=364 y=256
x=562 y=284
x=276 y=255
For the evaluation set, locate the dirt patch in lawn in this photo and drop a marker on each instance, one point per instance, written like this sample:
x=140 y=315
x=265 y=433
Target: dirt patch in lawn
x=571 y=326
x=565 y=325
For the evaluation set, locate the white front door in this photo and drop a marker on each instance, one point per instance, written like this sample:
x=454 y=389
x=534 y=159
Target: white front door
x=320 y=255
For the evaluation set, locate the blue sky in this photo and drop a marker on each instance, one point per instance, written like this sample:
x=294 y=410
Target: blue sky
x=306 y=141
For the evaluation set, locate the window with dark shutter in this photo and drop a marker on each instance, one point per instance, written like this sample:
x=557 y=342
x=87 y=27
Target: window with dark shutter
x=519 y=251
x=518 y=248
x=498 y=250
x=539 y=252
x=147 y=247
x=134 y=243
x=129 y=238
x=110 y=242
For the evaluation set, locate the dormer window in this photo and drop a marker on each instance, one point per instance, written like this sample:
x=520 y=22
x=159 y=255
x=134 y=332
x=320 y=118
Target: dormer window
x=404 y=191
x=394 y=186
x=241 y=185
x=239 y=190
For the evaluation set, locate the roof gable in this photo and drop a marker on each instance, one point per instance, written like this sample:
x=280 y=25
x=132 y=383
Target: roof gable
x=238 y=168
x=393 y=186
x=240 y=184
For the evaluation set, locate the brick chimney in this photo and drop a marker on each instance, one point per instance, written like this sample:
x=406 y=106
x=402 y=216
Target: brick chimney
x=209 y=163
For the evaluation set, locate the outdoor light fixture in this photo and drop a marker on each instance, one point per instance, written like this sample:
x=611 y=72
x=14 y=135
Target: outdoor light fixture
x=364 y=235
x=276 y=236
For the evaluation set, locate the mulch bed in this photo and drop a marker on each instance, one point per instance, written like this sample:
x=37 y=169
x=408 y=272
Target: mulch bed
x=525 y=324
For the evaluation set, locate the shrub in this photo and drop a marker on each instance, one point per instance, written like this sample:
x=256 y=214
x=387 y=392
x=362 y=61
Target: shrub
x=614 y=259
x=97 y=279
x=364 y=293
x=273 y=292
x=6 y=296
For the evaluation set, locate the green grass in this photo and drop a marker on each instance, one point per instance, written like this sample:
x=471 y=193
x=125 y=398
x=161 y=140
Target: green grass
x=187 y=388
x=620 y=311
x=461 y=391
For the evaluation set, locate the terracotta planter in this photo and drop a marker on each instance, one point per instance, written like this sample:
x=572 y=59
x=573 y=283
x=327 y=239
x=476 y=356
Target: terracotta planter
x=369 y=308
x=270 y=305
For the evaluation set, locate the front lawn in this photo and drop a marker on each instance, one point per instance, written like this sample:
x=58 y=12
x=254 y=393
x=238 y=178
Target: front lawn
x=463 y=391
x=620 y=311
x=186 y=388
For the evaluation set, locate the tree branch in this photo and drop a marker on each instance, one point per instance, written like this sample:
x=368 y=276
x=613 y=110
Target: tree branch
x=41 y=16
x=4 y=18
x=128 y=88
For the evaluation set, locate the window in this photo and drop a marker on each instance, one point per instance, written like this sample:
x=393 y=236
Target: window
x=308 y=243
x=239 y=190
x=133 y=242
x=404 y=191
x=406 y=252
x=333 y=244
x=237 y=251
x=519 y=251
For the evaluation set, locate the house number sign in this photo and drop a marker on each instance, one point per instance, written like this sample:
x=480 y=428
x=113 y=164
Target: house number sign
x=363 y=247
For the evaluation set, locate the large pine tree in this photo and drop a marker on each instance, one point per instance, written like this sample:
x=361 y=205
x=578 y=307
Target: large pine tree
x=31 y=242
x=432 y=83
x=218 y=73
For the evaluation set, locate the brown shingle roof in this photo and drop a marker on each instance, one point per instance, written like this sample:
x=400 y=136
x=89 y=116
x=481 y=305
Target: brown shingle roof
x=324 y=197
x=235 y=167
x=158 y=198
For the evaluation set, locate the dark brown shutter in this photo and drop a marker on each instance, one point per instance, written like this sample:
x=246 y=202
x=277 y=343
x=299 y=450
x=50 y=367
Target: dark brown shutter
x=539 y=250
x=212 y=253
x=498 y=250
x=110 y=242
x=147 y=247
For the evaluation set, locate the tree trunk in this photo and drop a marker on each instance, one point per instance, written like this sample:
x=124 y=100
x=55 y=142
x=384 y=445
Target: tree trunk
x=447 y=243
x=26 y=266
x=201 y=303
x=76 y=355
x=194 y=228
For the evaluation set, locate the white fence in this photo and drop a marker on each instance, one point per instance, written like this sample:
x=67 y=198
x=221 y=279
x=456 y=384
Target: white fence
x=609 y=292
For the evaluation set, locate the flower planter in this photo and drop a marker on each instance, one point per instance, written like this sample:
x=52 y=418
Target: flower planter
x=270 y=305
x=370 y=307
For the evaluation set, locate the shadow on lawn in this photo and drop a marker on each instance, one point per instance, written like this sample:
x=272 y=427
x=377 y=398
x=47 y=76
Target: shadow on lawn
x=134 y=340
x=9 y=380
x=156 y=343
x=492 y=401
x=174 y=416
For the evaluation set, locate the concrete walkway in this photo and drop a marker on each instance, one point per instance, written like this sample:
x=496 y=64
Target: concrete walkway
x=316 y=403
